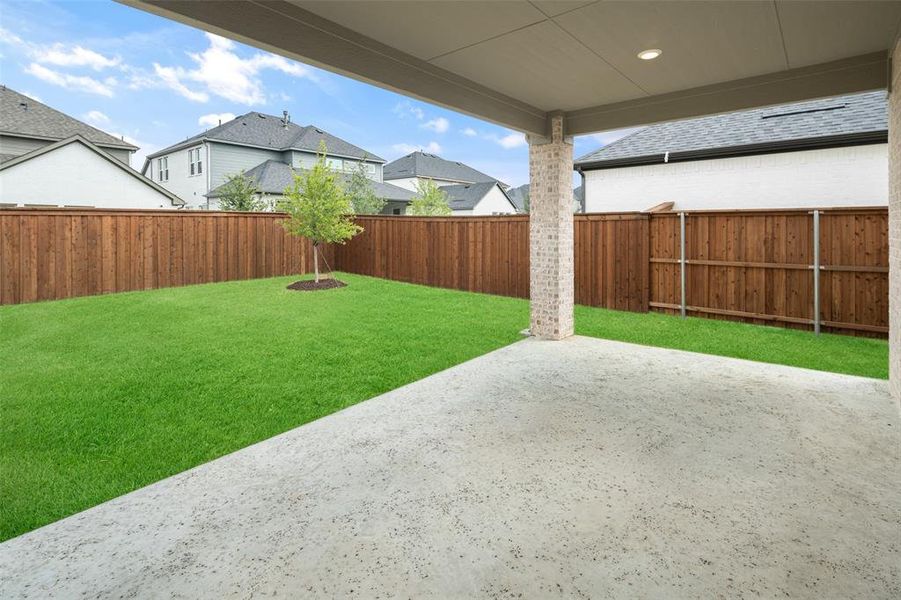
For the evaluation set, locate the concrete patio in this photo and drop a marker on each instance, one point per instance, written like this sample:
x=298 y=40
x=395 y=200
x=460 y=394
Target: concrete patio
x=582 y=468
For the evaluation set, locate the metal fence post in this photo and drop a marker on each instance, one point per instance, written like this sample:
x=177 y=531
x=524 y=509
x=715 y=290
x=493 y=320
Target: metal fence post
x=816 y=272
x=682 y=259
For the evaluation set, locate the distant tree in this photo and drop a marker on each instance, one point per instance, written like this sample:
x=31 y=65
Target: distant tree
x=240 y=192
x=362 y=196
x=429 y=201
x=318 y=208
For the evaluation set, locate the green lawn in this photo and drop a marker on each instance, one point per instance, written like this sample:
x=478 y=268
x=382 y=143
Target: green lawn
x=105 y=394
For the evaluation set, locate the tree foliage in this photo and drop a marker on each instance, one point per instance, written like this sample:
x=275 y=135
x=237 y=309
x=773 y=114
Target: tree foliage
x=429 y=201
x=362 y=196
x=318 y=208
x=240 y=193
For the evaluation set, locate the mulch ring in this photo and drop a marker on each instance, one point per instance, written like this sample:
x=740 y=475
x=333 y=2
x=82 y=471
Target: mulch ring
x=309 y=285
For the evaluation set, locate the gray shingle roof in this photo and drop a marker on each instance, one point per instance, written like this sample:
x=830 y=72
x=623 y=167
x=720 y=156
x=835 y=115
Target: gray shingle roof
x=786 y=126
x=465 y=196
x=26 y=117
x=268 y=131
x=421 y=164
x=273 y=176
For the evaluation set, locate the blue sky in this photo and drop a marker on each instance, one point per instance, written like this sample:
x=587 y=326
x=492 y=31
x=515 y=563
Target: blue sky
x=156 y=82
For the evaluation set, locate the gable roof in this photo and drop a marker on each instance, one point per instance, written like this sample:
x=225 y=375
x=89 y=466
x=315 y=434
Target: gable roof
x=828 y=122
x=22 y=116
x=273 y=176
x=268 y=131
x=421 y=164
x=77 y=139
x=467 y=195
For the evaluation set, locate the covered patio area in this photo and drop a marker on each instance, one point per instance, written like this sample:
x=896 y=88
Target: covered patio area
x=585 y=468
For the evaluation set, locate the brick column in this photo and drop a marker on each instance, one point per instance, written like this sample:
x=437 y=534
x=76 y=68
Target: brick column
x=551 y=232
x=894 y=223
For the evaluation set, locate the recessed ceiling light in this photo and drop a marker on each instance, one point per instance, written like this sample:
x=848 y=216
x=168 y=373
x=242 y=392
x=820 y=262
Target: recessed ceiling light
x=650 y=54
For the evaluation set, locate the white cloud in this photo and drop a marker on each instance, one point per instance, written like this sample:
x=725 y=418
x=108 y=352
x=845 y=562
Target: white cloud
x=469 y=132
x=221 y=72
x=74 y=56
x=513 y=139
x=171 y=79
x=438 y=125
x=96 y=118
x=214 y=119
x=81 y=83
x=431 y=148
x=406 y=108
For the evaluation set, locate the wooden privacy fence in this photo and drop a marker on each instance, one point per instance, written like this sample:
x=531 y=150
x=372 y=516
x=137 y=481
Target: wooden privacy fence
x=52 y=254
x=756 y=266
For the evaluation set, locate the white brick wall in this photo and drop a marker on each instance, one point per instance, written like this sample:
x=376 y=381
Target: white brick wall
x=551 y=234
x=828 y=177
x=894 y=128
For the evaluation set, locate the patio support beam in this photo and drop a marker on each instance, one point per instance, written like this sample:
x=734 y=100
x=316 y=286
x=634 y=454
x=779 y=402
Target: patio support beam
x=551 y=231
x=894 y=227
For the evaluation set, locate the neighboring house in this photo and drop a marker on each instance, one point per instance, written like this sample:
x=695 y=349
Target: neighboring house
x=49 y=159
x=192 y=169
x=26 y=125
x=829 y=152
x=519 y=196
x=75 y=173
x=407 y=171
x=273 y=176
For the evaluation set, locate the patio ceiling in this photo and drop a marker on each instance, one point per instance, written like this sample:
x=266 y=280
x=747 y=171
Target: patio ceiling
x=512 y=62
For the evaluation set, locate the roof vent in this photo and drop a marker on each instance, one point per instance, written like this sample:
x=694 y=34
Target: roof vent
x=805 y=112
x=23 y=105
x=286 y=118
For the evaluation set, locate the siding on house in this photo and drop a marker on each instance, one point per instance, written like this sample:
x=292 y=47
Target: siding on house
x=79 y=178
x=228 y=159
x=847 y=176
x=16 y=146
x=190 y=188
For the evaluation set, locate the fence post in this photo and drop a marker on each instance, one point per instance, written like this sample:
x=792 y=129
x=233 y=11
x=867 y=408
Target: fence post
x=682 y=259
x=816 y=271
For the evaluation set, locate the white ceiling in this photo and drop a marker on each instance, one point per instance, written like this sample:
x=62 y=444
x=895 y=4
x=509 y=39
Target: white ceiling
x=571 y=55
x=514 y=61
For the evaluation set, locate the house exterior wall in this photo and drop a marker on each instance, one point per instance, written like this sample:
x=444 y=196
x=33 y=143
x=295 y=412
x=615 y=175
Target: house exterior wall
x=493 y=203
x=306 y=160
x=190 y=188
x=18 y=146
x=894 y=226
x=828 y=177
x=80 y=178
x=228 y=159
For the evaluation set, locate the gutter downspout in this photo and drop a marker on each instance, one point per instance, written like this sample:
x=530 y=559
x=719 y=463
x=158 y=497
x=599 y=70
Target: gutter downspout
x=582 y=202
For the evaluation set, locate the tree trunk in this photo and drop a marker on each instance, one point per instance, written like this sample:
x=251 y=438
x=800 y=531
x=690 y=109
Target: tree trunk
x=316 y=261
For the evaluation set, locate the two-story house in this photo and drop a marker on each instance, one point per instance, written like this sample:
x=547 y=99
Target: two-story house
x=49 y=159
x=257 y=144
x=469 y=191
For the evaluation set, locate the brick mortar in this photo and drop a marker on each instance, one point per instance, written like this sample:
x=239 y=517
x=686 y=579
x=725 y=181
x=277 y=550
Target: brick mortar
x=552 y=275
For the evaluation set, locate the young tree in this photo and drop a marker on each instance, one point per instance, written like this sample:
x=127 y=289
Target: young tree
x=429 y=201
x=318 y=208
x=362 y=196
x=239 y=192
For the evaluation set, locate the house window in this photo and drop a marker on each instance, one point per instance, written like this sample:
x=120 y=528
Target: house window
x=396 y=211
x=162 y=168
x=194 y=158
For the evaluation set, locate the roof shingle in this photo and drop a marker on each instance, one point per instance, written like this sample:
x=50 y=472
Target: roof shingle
x=421 y=164
x=268 y=131
x=26 y=117
x=784 y=124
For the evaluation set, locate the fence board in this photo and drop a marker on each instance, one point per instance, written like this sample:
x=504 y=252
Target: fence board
x=752 y=266
x=54 y=254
